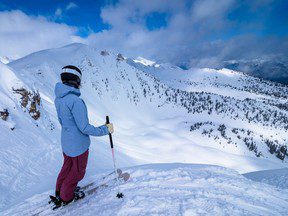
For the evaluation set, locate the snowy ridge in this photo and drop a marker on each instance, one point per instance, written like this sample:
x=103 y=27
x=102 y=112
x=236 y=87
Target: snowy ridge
x=212 y=80
x=277 y=177
x=173 y=189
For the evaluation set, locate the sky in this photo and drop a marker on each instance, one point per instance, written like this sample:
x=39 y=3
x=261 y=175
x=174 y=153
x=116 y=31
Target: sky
x=188 y=33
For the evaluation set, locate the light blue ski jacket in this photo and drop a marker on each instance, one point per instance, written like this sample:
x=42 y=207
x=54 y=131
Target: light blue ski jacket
x=72 y=115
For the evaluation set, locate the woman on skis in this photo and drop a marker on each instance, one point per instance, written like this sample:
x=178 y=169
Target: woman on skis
x=75 y=140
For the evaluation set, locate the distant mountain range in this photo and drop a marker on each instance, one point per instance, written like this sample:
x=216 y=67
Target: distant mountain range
x=274 y=69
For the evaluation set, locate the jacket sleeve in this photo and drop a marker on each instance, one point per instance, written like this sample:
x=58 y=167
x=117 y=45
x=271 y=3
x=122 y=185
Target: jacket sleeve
x=79 y=112
x=57 y=110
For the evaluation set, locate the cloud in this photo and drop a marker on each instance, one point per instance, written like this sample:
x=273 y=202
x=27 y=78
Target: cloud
x=60 y=12
x=22 y=34
x=71 y=5
x=185 y=30
x=200 y=33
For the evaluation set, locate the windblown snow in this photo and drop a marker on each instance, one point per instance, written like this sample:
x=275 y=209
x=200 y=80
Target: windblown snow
x=161 y=113
x=276 y=177
x=172 y=189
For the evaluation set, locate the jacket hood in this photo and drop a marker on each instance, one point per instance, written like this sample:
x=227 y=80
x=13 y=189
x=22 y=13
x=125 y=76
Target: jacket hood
x=61 y=90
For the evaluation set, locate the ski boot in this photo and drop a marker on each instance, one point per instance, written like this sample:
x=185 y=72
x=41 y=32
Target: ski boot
x=56 y=200
x=78 y=193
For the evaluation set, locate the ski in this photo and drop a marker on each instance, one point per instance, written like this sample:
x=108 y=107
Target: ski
x=89 y=189
x=119 y=171
x=121 y=176
x=124 y=176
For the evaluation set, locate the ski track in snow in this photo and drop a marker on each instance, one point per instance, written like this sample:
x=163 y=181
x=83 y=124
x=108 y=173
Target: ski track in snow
x=173 y=189
x=26 y=167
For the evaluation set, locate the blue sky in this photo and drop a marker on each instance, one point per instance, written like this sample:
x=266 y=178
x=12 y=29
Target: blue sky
x=85 y=15
x=184 y=32
x=269 y=19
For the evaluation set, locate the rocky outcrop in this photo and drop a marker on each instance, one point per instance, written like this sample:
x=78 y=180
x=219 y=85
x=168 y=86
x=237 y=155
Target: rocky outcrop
x=104 y=53
x=4 y=114
x=30 y=100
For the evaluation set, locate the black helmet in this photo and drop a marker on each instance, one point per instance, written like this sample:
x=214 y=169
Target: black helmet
x=71 y=75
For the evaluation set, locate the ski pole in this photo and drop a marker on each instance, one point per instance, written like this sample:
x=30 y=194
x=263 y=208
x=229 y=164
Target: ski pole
x=119 y=195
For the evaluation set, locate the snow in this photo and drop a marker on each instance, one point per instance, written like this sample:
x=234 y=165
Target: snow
x=145 y=62
x=277 y=177
x=172 y=189
x=4 y=59
x=147 y=102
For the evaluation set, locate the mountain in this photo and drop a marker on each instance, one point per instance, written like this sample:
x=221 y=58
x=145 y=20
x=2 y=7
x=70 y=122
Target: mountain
x=172 y=189
x=238 y=104
x=161 y=113
x=273 y=68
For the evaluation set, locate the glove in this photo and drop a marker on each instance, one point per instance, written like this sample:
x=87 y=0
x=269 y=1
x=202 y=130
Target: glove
x=110 y=128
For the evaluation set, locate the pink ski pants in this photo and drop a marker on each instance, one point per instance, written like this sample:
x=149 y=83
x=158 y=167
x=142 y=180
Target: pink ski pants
x=72 y=171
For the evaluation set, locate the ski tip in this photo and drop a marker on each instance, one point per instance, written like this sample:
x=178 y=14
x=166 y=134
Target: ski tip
x=125 y=176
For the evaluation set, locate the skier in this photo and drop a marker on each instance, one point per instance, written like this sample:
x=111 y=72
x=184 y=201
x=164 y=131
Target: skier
x=75 y=141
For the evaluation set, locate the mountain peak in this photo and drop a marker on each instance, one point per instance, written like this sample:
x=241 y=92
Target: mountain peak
x=76 y=44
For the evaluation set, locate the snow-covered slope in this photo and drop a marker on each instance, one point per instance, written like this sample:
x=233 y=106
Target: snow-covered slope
x=224 y=110
x=172 y=189
x=26 y=145
x=240 y=85
x=277 y=177
x=195 y=116
x=243 y=109
x=30 y=149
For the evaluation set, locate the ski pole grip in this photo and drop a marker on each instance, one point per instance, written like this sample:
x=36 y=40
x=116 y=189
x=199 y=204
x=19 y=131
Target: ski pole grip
x=107 y=120
x=110 y=135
